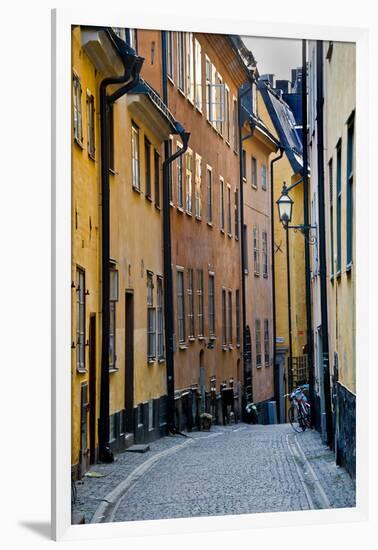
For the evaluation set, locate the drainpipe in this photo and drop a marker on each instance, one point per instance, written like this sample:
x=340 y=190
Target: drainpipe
x=168 y=282
x=322 y=242
x=306 y=233
x=133 y=65
x=247 y=359
x=277 y=396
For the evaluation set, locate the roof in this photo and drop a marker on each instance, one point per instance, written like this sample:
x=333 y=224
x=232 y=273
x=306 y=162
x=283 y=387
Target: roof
x=285 y=125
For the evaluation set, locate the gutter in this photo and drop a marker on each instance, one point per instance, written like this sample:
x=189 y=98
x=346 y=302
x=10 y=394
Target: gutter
x=133 y=65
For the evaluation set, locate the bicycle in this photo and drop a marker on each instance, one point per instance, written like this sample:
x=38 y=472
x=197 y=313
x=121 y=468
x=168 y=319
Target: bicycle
x=299 y=413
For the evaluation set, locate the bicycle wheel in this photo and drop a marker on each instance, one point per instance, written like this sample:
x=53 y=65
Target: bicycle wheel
x=295 y=419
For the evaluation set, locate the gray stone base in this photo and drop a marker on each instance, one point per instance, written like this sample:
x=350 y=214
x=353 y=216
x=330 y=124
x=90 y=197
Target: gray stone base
x=345 y=429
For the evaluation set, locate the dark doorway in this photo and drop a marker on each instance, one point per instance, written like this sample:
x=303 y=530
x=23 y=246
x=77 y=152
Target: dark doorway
x=92 y=388
x=129 y=361
x=84 y=450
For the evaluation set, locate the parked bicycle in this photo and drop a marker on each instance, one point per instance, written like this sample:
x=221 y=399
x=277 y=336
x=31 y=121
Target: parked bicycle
x=299 y=413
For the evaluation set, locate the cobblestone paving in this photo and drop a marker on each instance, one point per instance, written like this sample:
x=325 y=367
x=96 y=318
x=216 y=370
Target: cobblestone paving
x=237 y=469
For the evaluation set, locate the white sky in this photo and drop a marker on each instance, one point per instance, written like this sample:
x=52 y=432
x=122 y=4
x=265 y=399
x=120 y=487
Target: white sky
x=275 y=55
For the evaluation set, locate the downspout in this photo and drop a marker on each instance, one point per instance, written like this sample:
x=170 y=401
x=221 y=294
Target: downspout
x=131 y=69
x=322 y=242
x=306 y=233
x=290 y=366
x=247 y=359
x=168 y=282
x=277 y=396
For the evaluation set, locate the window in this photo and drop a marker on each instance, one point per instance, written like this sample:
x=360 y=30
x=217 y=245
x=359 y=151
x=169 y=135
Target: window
x=263 y=177
x=237 y=315
x=211 y=291
x=157 y=178
x=91 y=125
x=200 y=318
x=80 y=319
x=256 y=252
x=169 y=52
x=198 y=195
x=338 y=208
x=245 y=248
x=208 y=69
x=349 y=197
x=189 y=171
x=151 y=319
x=197 y=74
x=180 y=306
x=258 y=343
x=228 y=202
x=224 y=319
x=170 y=188
x=180 y=192
x=236 y=195
x=111 y=138
x=209 y=173
x=227 y=114
x=266 y=343
x=191 y=330
x=235 y=123
x=160 y=319
x=132 y=39
x=221 y=203
x=135 y=175
x=254 y=172
x=181 y=60
x=77 y=110
x=230 y=318
x=113 y=297
x=332 y=251
x=265 y=253
x=244 y=165
x=189 y=67
x=147 y=165
x=218 y=107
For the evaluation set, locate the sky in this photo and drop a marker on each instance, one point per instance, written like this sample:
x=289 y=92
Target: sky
x=275 y=55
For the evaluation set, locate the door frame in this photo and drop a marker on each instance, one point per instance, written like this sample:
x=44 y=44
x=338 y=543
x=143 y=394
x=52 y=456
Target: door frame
x=129 y=360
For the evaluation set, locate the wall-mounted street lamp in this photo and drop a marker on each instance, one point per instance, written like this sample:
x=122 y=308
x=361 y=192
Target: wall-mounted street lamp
x=285 y=210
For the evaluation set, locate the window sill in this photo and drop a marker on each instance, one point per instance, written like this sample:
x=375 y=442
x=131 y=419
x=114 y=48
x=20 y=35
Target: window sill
x=338 y=274
x=171 y=204
x=151 y=361
x=136 y=189
x=81 y=371
x=244 y=180
x=92 y=157
x=224 y=348
x=201 y=337
x=191 y=339
x=229 y=235
x=349 y=266
x=257 y=274
x=162 y=360
x=181 y=92
x=149 y=198
x=188 y=213
x=267 y=364
x=210 y=224
x=258 y=366
x=158 y=207
x=230 y=347
x=170 y=79
x=199 y=110
x=198 y=218
x=265 y=275
x=113 y=369
x=179 y=209
x=222 y=231
x=228 y=143
x=212 y=337
x=183 y=347
x=112 y=172
x=238 y=346
x=254 y=186
x=246 y=272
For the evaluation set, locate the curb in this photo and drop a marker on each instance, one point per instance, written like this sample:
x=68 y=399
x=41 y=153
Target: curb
x=105 y=512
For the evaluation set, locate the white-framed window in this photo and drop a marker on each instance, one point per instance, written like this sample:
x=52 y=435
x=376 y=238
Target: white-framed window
x=263 y=177
x=135 y=163
x=230 y=318
x=200 y=318
x=224 y=318
x=198 y=74
x=77 y=109
x=113 y=297
x=198 y=190
x=208 y=75
x=266 y=343
x=244 y=165
x=264 y=237
x=254 y=98
x=179 y=174
x=132 y=39
x=221 y=203
x=254 y=172
x=189 y=67
x=258 y=343
x=209 y=180
x=237 y=315
x=188 y=180
x=191 y=324
x=157 y=178
x=211 y=302
x=169 y=51
x=256 y=251
x=160 y=318
x=236 y=195
x=235 y=124
x=181 y=61
x=229 y=217
x=227 y=133
x=147 y=167
x=219 y=103
x=91 y=136
x=80 y=319
x=151 y=319
x=180 y=305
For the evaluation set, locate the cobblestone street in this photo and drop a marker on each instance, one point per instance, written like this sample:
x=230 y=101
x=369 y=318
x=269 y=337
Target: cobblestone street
x=236 y=469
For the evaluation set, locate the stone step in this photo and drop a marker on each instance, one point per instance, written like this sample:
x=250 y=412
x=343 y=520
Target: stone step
x=141 y=448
